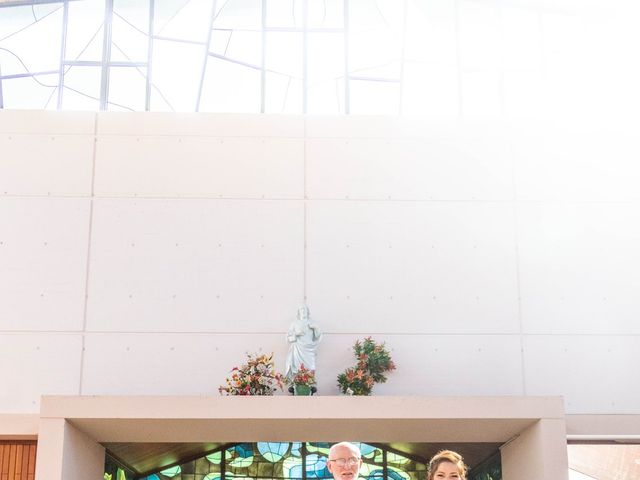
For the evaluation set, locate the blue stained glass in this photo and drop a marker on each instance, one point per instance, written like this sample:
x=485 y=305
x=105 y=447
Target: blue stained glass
x=296 y=472
x=273 y=451
x=365 y=449
x=241 y=455
x=317 y=467
x=212 y=476
x=320 y=445
x=215 y=458
x=244 y=450
x=376 y=475
x=292 y=467
x=152 y=477
x=295 y=449
x=393 y=474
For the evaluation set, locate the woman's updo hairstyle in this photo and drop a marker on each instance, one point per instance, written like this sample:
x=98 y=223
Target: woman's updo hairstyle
x=447 y=456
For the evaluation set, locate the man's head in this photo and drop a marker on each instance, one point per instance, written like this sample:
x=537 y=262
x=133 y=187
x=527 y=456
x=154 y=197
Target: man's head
x=344 y=461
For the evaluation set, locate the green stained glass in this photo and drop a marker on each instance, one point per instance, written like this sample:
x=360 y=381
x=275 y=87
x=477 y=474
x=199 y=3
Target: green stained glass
x=395 y=459
x=215 y=458
x=212 y=476
x=171 y=472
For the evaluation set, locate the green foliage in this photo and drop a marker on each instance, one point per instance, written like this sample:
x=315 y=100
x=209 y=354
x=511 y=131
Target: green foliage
x=374 y=360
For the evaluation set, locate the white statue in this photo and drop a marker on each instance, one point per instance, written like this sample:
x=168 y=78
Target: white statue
x=303 y=338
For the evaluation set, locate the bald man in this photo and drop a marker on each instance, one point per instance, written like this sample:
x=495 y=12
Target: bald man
x=344 y=461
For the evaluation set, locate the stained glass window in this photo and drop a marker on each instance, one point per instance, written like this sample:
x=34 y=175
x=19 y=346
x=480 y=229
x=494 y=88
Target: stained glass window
x=288 y=461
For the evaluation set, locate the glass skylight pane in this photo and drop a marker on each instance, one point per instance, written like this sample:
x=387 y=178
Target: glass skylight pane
x=522 y=39
x=480 y=35
x=239 y=14
x=375 y=36
x=28 y=43
x=325 y=73
x=430 y=90
x=283 y=94
x=326 y=97
x=326 y=14
x=284 y=13
x=325 y=53
x=229 y=87
x=284 y=53
x=37 y=92
x=82 y=88
x=84 y=31
x=184 y=19
x=18 y=18
x=431 y=34
x=176 y=75
x=366 y=15
x=127 y=87
x=130 y=31
x=238 y=45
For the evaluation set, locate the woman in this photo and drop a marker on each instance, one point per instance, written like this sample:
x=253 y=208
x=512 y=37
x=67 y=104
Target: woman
x=446 y=465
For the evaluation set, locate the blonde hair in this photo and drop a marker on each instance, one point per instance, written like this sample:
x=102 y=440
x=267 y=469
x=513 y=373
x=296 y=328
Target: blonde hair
x=447 y=456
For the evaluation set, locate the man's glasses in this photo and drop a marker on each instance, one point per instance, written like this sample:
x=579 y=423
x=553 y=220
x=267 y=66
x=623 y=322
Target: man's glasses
x=346 y=462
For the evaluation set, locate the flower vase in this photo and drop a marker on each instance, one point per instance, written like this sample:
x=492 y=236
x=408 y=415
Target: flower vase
x=302 y=390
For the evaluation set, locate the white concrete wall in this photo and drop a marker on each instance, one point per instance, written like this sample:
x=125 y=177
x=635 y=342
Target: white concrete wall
x=146 y=253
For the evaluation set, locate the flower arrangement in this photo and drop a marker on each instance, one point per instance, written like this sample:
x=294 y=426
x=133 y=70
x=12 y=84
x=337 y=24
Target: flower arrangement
x=257 y=377
x=374 y=360
x=304 y=377
x=303 y=382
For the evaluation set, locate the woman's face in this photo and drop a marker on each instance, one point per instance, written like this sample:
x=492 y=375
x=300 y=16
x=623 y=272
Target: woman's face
x=446 y=471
